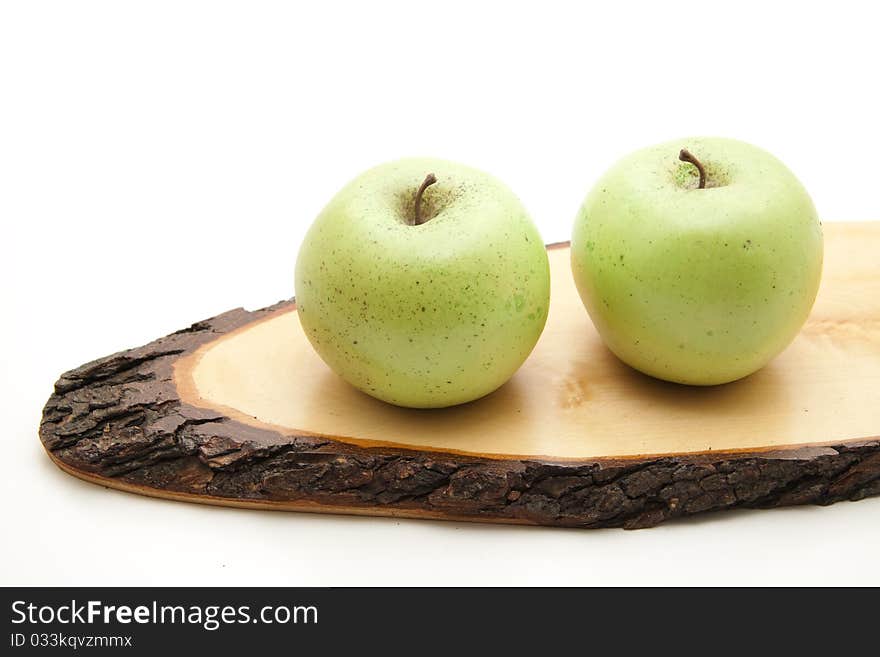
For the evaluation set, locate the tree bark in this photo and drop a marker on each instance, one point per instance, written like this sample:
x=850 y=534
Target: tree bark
x=119 y=421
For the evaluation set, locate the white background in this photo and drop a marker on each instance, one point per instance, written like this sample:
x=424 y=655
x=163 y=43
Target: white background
x=160 y=162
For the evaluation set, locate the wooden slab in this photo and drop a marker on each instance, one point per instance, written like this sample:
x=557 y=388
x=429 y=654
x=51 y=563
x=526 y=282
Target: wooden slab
x=239 y=410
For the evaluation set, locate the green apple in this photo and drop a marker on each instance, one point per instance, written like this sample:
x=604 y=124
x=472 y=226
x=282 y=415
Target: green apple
x=423 y=283
x=698 y=260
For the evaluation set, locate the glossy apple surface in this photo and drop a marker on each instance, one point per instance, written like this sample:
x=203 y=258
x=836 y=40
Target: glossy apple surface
x=426 y=315
x=698 y=286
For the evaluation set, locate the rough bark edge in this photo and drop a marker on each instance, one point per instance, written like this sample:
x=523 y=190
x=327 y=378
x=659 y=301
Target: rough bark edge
x=119 y=421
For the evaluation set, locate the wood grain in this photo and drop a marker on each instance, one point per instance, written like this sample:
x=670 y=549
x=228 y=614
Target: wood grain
x=238 y=410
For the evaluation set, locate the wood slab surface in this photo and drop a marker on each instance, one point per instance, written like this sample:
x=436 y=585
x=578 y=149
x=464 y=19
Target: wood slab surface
x=239 y=410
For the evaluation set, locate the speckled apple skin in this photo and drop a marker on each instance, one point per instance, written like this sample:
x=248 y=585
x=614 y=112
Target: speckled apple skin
x=698 y=286
x=431 y=315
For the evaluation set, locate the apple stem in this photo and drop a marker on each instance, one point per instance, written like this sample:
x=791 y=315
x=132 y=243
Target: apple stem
x=686 y=156
x=429 y=180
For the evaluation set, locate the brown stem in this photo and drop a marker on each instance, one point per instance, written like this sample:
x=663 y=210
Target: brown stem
x=429 y=180
x=686 y=156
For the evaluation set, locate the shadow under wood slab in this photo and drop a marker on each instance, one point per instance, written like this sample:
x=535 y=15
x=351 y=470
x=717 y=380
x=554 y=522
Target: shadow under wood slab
x=238 y=410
